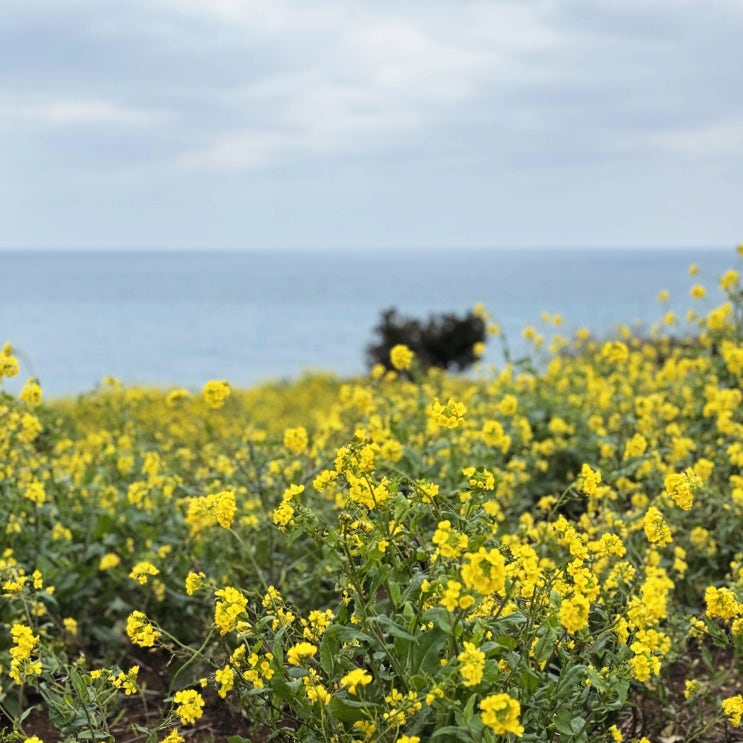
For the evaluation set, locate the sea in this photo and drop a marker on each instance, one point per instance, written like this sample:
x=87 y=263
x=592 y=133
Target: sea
x=166 y=318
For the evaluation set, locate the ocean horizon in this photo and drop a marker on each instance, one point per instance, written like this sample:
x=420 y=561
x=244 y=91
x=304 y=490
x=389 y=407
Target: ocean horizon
x=165 y=318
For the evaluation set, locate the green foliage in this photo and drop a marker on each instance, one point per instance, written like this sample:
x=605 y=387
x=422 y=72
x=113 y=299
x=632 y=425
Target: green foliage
x=533 y=558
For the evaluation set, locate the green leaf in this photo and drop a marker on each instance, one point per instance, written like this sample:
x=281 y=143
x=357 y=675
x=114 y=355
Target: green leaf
x=395 y=593
x=569 y=681
x=529 y=679
x=393 y=628
x=427 y=654
x=329 y=647
x=469 y=709
x=578 y=725
x=453 y=733
x=347 y=710
x=563 y=722
x=348 y=634
x=505 y=641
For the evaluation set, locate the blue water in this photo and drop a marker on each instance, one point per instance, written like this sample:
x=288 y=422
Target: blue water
x=183 y=318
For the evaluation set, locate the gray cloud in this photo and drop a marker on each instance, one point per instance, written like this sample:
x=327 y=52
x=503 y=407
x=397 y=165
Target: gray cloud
x=261 y=122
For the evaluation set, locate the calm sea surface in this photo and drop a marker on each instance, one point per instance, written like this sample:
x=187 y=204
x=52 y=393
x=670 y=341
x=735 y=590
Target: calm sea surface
x=183 y=318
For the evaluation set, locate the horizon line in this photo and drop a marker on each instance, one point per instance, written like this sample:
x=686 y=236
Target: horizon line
x=88 y=248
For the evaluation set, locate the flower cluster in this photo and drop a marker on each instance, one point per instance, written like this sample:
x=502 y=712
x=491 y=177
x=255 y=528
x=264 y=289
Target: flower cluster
x=360 y=561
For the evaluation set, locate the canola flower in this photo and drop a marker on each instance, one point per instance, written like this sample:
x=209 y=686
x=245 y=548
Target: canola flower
x=296 y=439
x=109 y=561
x=25 y=646
x=142 y=572
x=500 y=712
x=189 y=706
x=297 y=653
x=401 y=357
x=230 y=606
x=361 y=545
x=472 y=664
x=355 y=679
x=733 y=708
x=126 y=681
x=173 y=737
x=31 y=392
x=216 y=393
x=140 y=631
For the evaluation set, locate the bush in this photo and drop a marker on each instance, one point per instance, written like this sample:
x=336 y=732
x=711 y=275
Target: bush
x=444 y=341
x=547 y=556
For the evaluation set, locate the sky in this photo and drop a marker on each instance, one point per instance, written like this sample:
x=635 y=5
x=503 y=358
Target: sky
x=345 y=124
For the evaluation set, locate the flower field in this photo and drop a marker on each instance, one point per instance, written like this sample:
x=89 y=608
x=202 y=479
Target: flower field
x=549 y=551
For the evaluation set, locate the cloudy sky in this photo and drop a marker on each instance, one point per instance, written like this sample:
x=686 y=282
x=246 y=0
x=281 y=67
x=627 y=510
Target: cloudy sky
x=349 y=123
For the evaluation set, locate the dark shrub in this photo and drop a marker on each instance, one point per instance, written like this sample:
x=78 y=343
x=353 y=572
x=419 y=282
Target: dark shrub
x=445 y=341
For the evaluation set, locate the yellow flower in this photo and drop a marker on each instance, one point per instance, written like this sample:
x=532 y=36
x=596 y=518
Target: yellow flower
x=315 y=691
x=635 y=447
x=656 y=529
x=216 y=392
x=8 y=366
x=500 y=712
x=126 y=681
x=722 y=603
x=25 y=645
x=142 y=571
x=225 y=677
x=493 y=434
x=401 y=357
x=108 y=561
x=508 y=405
x=698 y=291
x=140 y=631
x=573 y=614
x=175 y=396
x=194 y=581
x=733 y=708
x=485 y=571
x=679 y=488
x=353 y=679
x=35 y=492
x=224 y=507
x=449 y=415
x=297 y=653
x=316 y=624
x=190 y=705
x=590 y=480
x=174 y=737
x=719 y=317
x=450 y=542
x=31 y=392
x=454 y=599
x=472 y=661
x=729 y=280
x=615 y=352
x=296 y=439
x=229 y=607
x=283 y=514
